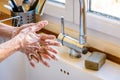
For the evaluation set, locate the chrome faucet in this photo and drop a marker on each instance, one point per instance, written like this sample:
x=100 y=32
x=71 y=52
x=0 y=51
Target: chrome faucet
x=82 y=25
x=77 y=46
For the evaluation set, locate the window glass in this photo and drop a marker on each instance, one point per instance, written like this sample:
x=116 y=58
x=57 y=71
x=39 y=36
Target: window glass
x=60 y=1
x=109 y=8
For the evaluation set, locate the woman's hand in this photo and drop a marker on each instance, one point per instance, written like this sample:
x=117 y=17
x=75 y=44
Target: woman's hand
x=16 y=30
x=46 y=51
x=37 y=47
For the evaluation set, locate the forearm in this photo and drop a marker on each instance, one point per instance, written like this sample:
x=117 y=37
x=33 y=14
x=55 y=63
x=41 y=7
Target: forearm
x=8 y=48
x=5 y=30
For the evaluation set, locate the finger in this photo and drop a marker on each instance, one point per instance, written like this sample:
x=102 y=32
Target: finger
x=34 y=58
x=32 y=64
x=43 y=61
x=43 y=37
x=46 y=64
x=51 y=49
x=49 y=53
x=40 y=25
x=52 y=55
x=53 y=43
x=30 y=61
x=45 y=49
x=46 y=56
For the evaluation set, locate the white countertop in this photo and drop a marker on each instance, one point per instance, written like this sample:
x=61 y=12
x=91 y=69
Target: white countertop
x=109 y=71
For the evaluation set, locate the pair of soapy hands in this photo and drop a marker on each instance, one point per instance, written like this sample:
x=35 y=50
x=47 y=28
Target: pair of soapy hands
x=37 y=47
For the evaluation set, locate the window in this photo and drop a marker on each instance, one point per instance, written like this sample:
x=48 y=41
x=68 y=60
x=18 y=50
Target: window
x=58 y=8
x=109 y=8
x=109 y=23
x=102 y=24
x=70 y=10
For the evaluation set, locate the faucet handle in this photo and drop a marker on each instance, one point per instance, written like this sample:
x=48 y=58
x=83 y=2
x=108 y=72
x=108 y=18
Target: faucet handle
x=62 y=25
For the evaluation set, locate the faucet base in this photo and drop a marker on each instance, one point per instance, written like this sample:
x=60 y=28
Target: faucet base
x=74 y=54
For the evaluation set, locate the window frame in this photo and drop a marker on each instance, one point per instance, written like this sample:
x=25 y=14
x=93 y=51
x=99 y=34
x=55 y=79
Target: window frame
x=104 y=24
x=97 y=22
x=94 y=22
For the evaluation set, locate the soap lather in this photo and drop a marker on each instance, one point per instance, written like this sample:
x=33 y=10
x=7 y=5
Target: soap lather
x=95 y=61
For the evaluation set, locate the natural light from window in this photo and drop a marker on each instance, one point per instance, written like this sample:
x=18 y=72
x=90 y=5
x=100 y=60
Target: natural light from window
x=109 y=7
x=61 y=1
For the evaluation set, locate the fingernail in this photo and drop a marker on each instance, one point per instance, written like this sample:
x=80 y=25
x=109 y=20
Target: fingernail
x=54 y=57
x=60 y=44
x=32 y=64
x=46 y=64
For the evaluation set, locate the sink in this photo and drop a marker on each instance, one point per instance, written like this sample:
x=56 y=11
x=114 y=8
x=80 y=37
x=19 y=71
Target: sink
x=65 y=68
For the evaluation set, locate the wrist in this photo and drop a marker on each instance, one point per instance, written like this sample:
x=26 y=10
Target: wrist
x=13 y=32
x=17 y=42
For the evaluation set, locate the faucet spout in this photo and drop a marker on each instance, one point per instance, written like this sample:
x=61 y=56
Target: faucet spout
x=82 y=24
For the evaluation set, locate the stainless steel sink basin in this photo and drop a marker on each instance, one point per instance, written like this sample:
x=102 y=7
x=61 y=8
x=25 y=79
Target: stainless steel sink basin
x=65 y=68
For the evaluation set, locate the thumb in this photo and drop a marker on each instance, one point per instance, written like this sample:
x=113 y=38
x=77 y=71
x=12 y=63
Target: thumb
x=40 y=25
